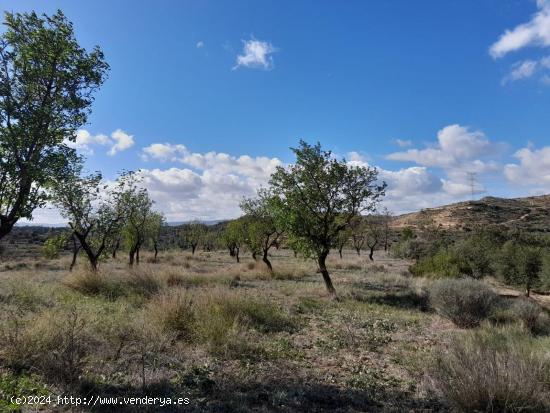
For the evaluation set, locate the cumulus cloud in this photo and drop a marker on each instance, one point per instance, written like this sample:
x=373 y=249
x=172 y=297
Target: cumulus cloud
x=85 y=141
x=533 y=167
x=122 y=141
x=206 y=185
x=118 y=141
x=458 y=150
x=256 y=54
x=535 y=32
x=163 y=152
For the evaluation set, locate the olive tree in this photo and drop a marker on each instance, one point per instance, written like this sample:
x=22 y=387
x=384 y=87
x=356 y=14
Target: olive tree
x=319 y=196
x=264 y=228
x=47 y=83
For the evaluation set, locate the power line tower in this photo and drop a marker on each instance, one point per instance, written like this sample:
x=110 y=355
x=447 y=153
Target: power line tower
x=472 y=182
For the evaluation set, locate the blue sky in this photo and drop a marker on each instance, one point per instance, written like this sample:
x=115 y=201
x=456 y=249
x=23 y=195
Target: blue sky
x=208 y=96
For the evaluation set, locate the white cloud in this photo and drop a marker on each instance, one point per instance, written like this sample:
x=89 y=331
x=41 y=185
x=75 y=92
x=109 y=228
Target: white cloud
x=118 y=141
x=200 y=44
x=163 y=152
x=403 y=143
x=208 y=185
x=256 y=54
x=85 y=140
x=536 y=32
x=122 y=141
x=533 y=167
x=458 y=150
x=521 y=70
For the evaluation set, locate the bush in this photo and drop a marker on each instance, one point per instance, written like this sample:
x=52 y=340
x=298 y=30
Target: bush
x=54 y=344
x=494 y=370
x=444 y=264
x=173 y=312
x=465 y=302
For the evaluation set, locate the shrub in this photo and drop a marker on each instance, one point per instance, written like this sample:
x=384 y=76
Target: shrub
x=444 y=264
x=55 y=344
x=95 y=283
x=173 y=312
x=494 y=370
x=465 y=302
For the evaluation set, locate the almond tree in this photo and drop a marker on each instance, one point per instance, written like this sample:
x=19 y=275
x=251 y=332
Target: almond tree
x=319 y=195
x=264 y=229
x=47 y=83
x=94 y=211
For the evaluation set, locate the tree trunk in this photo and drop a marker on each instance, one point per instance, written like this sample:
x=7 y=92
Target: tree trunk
x=267 y=262
x=115 y=249
x=76 y=249
x=237 y=254
x=254 y=257
x=358 y=250
x=92 y=258
x=156 y=248
x=321 y=260
x=131 y=256
x=137 y=255
x=371 y=253
x=340 y=252
x=193 y=247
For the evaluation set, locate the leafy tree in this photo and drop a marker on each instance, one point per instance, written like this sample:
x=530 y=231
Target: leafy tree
x=52 y=246
x=342 y=240
x=358 y=233
x=154 y=225
x=374 y=233
x=192 y=234
x=137 y=205
x=319 y=196
x=234 y=236
x=95 y=217
x=47 y=83
x=264 y=229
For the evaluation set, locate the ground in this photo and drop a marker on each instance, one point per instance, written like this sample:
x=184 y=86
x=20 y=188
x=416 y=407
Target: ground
x=368 y=351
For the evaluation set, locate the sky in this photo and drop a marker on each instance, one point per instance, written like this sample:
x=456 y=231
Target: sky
x=206 y=98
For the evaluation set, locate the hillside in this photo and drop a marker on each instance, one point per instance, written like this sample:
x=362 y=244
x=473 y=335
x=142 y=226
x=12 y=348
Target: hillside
x=530 y=213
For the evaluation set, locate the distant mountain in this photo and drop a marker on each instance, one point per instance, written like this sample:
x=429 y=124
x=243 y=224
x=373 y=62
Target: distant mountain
x=530 y=213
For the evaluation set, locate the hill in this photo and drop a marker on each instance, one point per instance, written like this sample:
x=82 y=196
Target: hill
x=530 y=213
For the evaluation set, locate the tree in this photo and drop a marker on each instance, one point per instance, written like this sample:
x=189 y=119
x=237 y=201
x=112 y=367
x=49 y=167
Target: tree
x=52 y=246
x=234 y=236
x=264 y=229
x=358 y=233
x=374 y=232
x=154 y=226
x=342 y=240
x=319 y=196
x=192 y=235
x=47 y=83
x=137 y=205
x=95 y=217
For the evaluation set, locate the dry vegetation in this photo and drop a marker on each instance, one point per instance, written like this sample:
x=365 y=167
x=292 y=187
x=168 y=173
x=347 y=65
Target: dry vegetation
x=233 y=337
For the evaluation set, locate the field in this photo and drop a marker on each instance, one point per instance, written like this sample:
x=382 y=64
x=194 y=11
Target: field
x=230 y=337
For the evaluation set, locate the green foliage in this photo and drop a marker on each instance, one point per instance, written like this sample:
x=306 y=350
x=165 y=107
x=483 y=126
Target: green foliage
x=12 y=385
x=444 y=264
x=520 y=264
x=45 y=75
x=466 y=302
x=320 y=195
x=52 y=246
